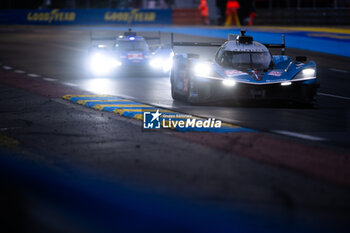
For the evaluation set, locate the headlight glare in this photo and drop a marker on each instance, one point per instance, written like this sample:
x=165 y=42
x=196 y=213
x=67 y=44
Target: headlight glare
x=159 y=63
x=115 y=63
x=203 y=69
x=102 y=64
x=156 y=63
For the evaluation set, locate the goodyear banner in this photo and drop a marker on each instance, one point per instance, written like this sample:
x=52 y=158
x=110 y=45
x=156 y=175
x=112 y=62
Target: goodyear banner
x=86 y=16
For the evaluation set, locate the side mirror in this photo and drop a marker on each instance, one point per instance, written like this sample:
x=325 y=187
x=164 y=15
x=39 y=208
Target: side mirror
x=301 y=59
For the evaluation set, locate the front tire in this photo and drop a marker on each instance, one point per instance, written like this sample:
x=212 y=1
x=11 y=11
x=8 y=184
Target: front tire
x=175 y=95
x=198 y=92
x=310 y=96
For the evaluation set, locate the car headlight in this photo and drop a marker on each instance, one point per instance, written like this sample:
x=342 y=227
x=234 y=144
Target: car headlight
x=203 y=69
x=102 y=64
x=229 y=82
x=284 y=84
x=308 y=73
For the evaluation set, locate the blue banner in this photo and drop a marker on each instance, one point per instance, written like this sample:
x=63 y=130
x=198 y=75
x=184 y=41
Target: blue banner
x=86 y=16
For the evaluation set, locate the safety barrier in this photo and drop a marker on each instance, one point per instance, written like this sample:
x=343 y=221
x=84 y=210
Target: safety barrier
x=86 y=16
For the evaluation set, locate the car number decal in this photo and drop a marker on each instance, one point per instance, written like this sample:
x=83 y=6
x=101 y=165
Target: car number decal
x=135 y=56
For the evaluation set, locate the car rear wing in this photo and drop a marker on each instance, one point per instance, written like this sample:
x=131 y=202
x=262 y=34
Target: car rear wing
x=101 y=38
x=153 y=38
x=203 y=44
x=129 y=33
x=278 y=46
x=218 y=44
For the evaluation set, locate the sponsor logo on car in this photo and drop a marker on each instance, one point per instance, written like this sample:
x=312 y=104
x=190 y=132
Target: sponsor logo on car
x=256 y=75
x=135 y=56
x=275 y=73
x=233 y=72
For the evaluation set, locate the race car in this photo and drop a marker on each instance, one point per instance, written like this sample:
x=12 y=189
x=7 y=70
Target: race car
x=242 y=69
x=128 y=53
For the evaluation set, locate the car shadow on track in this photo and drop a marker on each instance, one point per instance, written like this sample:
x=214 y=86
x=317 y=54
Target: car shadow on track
x=276 y=104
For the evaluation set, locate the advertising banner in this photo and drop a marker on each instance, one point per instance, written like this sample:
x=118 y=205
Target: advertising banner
x=86 y=16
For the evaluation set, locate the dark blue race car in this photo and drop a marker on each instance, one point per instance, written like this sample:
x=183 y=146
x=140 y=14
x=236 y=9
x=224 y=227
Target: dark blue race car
x=242 y=69
x=128 y=53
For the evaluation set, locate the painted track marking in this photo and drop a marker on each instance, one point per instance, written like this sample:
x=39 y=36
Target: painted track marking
x=33 y=75
x=135 y=110
x=7 y=67
x=50 y=79
x=338 y=70
x=334 y=96
x=299 y=135
x=70 y=84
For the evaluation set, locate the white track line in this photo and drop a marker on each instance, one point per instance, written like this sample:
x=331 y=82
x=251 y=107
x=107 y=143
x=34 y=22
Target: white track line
x=334 y=96
x=7 y=67
x=299 y=135
x=70 y=84
x=10 y=128
x=338 y=70
x=50 y=79
x=33 y=75
x=19 y=71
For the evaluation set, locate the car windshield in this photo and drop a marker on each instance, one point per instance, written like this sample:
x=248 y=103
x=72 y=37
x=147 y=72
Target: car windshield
x=139 y=45
x=253 y=60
